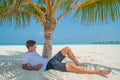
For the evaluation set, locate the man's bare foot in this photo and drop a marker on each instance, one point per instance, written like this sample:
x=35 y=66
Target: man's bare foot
x=105 y=72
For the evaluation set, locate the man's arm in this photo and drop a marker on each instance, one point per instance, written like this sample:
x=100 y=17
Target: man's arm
x=27 y=67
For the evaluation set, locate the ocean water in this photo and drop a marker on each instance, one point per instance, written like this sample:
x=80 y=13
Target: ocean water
x=91 y=43
x=63 y=44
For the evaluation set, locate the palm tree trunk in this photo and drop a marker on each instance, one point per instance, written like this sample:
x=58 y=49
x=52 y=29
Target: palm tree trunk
x=47 y=49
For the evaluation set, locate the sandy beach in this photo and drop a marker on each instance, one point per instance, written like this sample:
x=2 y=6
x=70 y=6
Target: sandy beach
x=94 y=56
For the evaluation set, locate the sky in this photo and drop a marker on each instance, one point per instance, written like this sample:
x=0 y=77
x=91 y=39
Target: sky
x=69 y=31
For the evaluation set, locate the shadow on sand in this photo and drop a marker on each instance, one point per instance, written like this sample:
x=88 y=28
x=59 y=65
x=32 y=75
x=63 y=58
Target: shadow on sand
x=97 y=66
x=10 y=68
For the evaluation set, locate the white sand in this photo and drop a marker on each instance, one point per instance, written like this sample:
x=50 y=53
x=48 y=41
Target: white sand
x=95 y=56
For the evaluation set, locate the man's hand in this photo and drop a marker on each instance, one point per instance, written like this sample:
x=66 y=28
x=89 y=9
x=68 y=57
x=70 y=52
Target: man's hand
x=27 y=67
x=39 y=66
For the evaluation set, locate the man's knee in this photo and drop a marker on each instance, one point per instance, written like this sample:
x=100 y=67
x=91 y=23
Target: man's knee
x=66 y=49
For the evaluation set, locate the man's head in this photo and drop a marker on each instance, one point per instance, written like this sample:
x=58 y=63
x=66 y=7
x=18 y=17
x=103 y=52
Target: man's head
x=31 y=45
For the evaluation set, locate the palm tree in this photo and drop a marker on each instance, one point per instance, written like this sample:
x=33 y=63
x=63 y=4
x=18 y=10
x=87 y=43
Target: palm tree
x=44 y=11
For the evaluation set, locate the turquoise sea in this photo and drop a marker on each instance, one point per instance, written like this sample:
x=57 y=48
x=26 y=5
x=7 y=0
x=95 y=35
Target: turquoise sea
x=63 y=44
x=90 y=43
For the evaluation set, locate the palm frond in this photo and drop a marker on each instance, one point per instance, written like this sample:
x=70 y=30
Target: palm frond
x=21 y=14
x=88 y=10
x=41 y=2
x=67 y=4
x=100 y=10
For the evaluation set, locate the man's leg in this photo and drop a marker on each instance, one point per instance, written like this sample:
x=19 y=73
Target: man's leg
x=67 y=51
x=78 y=69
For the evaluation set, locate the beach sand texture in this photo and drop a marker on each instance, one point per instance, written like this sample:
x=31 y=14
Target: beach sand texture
x=94 y=56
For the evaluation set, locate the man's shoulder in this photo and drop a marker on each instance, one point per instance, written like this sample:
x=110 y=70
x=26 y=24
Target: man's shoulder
x=29 y=52
x=26 y=53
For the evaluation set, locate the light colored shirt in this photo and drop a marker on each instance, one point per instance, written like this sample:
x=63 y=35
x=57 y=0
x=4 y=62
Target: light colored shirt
x=33 y=59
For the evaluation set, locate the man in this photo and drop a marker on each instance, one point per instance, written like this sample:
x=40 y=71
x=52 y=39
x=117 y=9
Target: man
x=33 y=61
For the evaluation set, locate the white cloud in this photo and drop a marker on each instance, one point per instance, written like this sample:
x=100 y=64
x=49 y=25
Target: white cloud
x=41 y=33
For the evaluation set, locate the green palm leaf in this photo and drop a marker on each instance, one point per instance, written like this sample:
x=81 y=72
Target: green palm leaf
x=18 y=11
x=101 y=10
